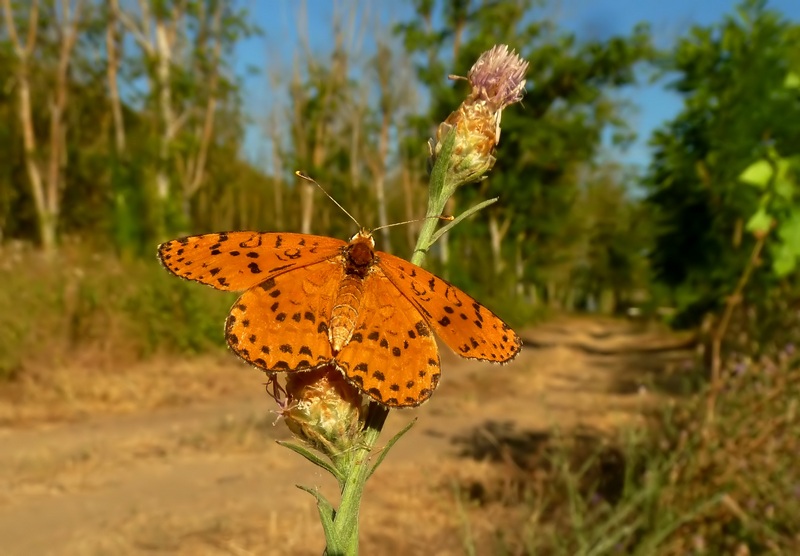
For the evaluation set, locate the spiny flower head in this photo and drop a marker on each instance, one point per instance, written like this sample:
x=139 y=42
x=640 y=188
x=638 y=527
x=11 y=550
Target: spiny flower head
x=324 y=410
x=497 y=79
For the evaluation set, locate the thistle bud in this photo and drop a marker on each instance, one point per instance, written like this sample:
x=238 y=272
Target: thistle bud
x=324 y=410
x=497 y=80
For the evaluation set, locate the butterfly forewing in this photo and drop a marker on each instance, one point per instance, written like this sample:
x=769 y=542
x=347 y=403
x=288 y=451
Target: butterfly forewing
x=240 y=260
x=392 y=355
x=469 y=328
x=282 y=324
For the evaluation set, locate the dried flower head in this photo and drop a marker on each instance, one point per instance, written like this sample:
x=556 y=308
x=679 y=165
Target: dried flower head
x=497 y=80
x=498 y=77
x=324 y=409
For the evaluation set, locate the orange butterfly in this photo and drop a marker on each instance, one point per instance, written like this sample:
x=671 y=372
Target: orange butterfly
x=310 y=301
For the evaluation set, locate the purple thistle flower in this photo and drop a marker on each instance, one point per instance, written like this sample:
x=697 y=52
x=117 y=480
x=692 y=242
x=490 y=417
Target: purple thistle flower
x=498 y=80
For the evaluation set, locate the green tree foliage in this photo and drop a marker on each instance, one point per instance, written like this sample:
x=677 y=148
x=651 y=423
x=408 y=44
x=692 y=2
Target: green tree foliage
x=735 y=109
x=615 y=235
x=108 y=196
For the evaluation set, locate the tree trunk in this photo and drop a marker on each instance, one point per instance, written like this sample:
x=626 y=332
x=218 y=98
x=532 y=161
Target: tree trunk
x=497 y=233
x=384 y=68
x=163 y=61
x=195 y=166
x=46 y=186
x=112 y=42
x=408 y=197
x=277 y=177
x=519 y=267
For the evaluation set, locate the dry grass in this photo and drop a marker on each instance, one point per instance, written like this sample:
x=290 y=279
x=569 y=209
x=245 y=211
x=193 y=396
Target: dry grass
x=78 y=391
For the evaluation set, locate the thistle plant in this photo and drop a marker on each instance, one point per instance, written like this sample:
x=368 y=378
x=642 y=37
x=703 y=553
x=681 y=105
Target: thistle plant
x=337 y=429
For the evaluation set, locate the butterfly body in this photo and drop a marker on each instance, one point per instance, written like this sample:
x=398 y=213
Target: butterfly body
x=311 y=301
x=359 y=258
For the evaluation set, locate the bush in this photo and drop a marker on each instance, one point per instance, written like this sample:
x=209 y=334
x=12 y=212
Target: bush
x=53 y=309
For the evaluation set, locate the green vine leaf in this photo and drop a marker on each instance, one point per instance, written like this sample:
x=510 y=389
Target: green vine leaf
x=760 y=222
x=784 y=260
x=758 y=174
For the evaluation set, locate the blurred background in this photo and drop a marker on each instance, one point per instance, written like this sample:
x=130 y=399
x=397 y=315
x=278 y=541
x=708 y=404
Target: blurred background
x=645 y=243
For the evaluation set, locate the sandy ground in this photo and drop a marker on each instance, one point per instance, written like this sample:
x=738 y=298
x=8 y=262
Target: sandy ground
x=164 y=466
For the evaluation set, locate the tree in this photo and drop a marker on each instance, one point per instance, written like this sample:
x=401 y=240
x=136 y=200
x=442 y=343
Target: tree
x=45 y=165
x=184 y=47
x=730 y=77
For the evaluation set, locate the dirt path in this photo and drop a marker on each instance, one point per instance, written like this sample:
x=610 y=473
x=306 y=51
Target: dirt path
x=207 y=478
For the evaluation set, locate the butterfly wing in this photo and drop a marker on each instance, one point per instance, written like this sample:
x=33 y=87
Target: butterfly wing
x=282 y=324
x=392 y=355
x=235 y=261
x=469 y=328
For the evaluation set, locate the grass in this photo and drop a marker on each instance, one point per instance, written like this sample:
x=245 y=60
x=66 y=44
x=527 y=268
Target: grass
x=679 y=486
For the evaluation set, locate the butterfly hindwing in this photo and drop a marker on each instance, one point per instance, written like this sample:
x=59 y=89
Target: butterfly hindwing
x=236 y=261
x=469 y=328
x=282 y=324
x=392 y=355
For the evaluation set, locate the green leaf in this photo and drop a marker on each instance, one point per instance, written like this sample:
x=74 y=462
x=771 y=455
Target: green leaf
x=789 y=232
x=784 y=261
x=761 y=221
x=389 y=445
x=327 y=515
x=784 y=185
x=469 y=212
x=784 y=188
x=792 y=81
x=313 y=458
x=757 y=174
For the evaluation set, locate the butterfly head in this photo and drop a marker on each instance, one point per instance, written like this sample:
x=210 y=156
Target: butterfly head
x=360 y=252
x=363 y=235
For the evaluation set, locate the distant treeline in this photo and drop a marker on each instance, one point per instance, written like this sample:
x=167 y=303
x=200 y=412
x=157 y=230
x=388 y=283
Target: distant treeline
x=123 y=124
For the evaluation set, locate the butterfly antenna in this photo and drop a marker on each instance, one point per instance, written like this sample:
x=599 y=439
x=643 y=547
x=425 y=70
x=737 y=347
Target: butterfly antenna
x=306 y=177
x=445 y=218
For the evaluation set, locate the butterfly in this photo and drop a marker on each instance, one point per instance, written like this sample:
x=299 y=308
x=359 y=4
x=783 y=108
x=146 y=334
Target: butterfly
x=311 y=301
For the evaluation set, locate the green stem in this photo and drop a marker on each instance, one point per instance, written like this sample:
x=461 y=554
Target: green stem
x=343 y=540
x=439 y=192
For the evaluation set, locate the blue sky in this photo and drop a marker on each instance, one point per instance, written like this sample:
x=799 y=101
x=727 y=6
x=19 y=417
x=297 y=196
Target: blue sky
x=589 y=19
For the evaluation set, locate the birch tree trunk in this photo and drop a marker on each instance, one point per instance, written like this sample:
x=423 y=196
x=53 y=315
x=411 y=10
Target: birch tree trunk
x=156 y=43
x=497 y=233
x=407 y=180
x=277 y=174
x=162 y=49
x=45 y=171
x=162 y=32
x=388 y=104
x=457 y=21
x=301 y=145
x=312 y=135
x=519 y=266
x=192 y=169
x=113 y=46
